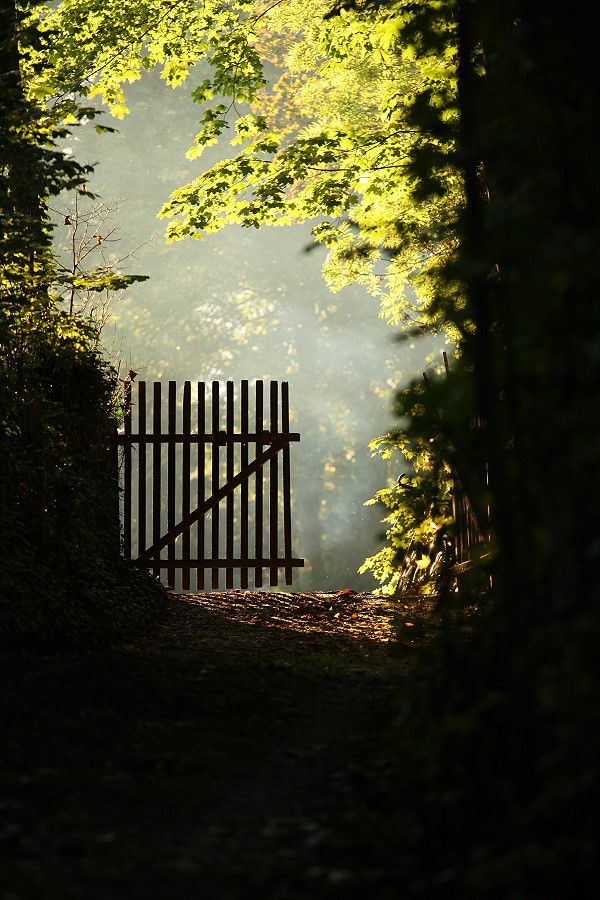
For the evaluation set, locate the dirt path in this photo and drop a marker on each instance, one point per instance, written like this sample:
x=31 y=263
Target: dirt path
x=237 y=750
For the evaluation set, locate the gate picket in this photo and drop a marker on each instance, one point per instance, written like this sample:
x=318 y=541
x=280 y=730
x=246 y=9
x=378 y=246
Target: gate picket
x=244 y=508
x=258 y=502
x=215 y=479
x=142 y=470
x=201 y=483
x=127 y=471
x=171 y=429
x=229 y=522
x=156 y=469
x=185 y=478
x=273 y=488
x=172 y=518
x=287 y=492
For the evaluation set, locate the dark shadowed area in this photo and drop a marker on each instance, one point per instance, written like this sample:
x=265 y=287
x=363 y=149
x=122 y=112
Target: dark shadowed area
x=239 y=746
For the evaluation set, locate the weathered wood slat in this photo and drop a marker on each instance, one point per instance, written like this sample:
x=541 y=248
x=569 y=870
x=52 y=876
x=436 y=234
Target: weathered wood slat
x=201 y=491
x=156 y=467
x=287 y=486
x=244 y=510
x=215 y=480
x=142 y=469
x=229 y=508
x=127 y=472
x=273 y=484
x=258 y=500
x=186 y=423
x=171 y=464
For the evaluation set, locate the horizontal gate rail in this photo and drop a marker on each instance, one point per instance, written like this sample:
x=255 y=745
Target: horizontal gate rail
x=195 y=507
x=264 y=438
x=229 y=563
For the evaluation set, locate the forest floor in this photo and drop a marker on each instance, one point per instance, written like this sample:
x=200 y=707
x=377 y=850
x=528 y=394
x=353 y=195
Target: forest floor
x=240 y=748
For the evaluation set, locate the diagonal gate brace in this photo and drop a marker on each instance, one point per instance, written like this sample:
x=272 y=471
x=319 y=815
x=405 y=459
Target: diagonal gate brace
x=212 y=501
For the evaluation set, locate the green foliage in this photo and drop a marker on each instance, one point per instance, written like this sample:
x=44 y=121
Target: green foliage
x=498 y=726
x=324 y=141
x=60 y=568
x=356 y=132
x=417 y=517
x=33 y=168
x=96 y=46
x=345 y=113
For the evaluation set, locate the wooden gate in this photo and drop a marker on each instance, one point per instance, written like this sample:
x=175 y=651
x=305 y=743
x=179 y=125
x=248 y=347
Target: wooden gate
x=205 y=493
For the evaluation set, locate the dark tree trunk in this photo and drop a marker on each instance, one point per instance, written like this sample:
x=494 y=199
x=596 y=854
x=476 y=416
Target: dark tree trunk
x=10 y=78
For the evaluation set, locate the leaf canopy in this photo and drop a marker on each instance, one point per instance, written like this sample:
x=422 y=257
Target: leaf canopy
x=346 y=120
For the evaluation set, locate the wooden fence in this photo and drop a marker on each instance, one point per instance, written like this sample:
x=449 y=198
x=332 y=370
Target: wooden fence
x=206 y=482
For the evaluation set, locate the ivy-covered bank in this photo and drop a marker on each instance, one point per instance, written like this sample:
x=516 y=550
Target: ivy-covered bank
x=62 y=578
